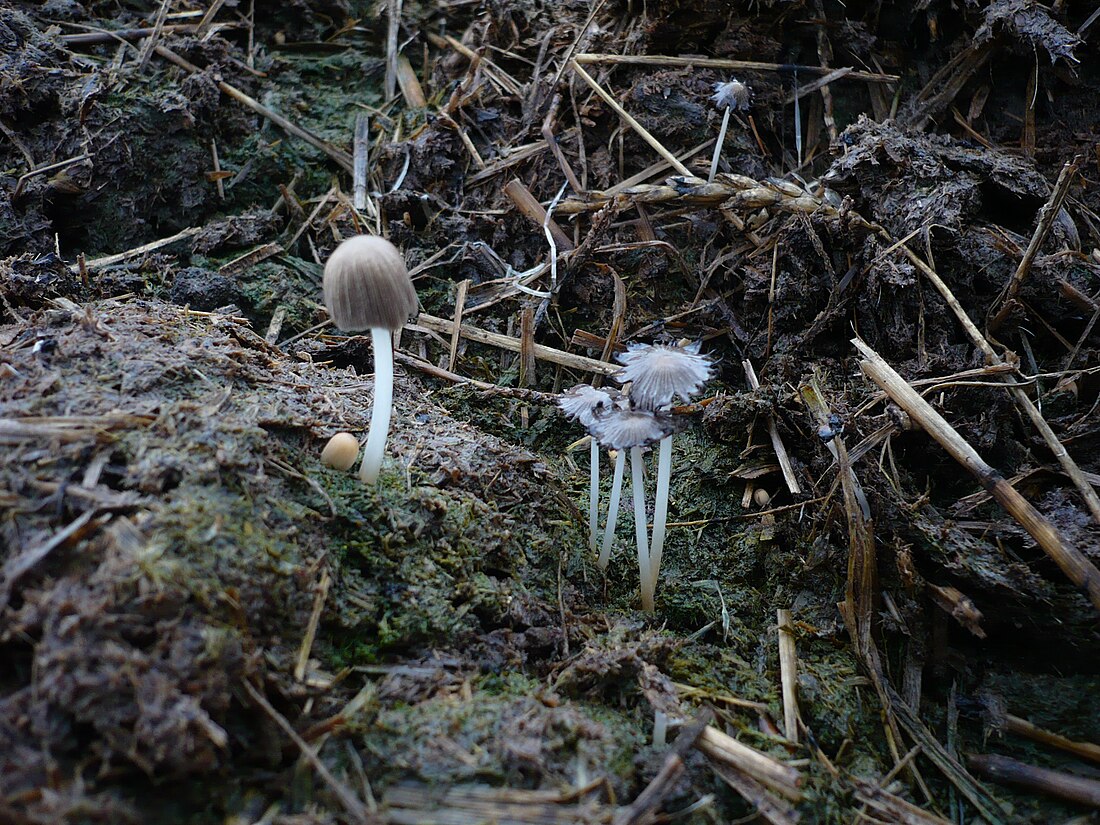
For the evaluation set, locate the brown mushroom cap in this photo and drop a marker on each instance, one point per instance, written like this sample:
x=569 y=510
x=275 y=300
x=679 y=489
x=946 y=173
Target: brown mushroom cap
x=734 y=95
x=367 y=285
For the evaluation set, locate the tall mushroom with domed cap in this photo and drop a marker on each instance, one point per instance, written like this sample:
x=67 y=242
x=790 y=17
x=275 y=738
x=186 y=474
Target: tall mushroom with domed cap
x=367 y=286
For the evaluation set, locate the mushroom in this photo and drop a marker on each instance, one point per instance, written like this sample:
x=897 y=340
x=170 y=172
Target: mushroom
x=728 y=96
x=340 y=452
x=612 y=509
x=585 y=403
x=367 y=286
x=658 y=374
x=624 y=428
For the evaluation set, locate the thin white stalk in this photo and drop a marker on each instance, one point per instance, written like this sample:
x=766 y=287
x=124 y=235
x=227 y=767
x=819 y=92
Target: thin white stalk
x=660 y=508
x=383 y=405
x=593 y=495
x=718 y=146
x=645 y=574
x=797 y=122
x=612 y=510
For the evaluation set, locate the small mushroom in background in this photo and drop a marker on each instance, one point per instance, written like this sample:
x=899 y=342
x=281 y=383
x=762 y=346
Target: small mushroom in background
x=585 y=404
x=657 y=374
x=367 y=286
x=728 y=96
x=761 y=497
x=341 y=451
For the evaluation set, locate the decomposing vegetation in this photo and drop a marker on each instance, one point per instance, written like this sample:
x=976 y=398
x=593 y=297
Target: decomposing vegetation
x=879 y=535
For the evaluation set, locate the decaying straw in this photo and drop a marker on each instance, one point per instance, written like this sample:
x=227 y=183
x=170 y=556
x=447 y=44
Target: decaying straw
x=788 y=673
x=507 y=342
x=1007 y=771
x=780 y=778
x=1077 y=568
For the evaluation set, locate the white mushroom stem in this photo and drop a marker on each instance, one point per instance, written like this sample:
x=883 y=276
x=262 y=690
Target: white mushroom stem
x=593 y=494
x=718 y=146
x=612 y=510
x=640 y=529
x=660 y=511
x=383 y=405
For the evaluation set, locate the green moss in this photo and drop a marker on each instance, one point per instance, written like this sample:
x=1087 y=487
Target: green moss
x=288 y=282
x=502 y=732
x=421 y=566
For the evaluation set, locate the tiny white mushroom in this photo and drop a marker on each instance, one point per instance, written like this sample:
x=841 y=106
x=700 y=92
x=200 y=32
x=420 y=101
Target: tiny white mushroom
x=727 y=96
x=657 y=375
x=586 y=403
x=625 y=429
x=367 y=286
x=340 y=452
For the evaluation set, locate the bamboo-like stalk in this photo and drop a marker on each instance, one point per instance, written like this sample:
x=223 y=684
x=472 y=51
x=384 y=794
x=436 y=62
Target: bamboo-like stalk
x=1022 y=727
x=1008 y=771
x=409 y=84
x=456 y=326
x=339 y=155
x=1047 y=214
x=642 y=132
x=529 y=205
x=721 y=63
x=360 y=157
x=788 y=673
x=138 y=251
x=311 y=628
x=780 y=448
x=352 y=804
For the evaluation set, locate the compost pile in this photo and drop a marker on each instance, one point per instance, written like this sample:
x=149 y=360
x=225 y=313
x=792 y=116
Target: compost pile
x=879 y=599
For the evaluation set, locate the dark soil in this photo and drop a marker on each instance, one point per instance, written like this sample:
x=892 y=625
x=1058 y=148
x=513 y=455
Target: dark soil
x=181 y=578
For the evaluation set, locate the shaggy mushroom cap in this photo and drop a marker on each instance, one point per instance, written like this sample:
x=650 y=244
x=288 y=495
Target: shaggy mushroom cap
x=621 y=429
x=586 y=403
x=657 y=373
x=367 y=285
x=732 y=95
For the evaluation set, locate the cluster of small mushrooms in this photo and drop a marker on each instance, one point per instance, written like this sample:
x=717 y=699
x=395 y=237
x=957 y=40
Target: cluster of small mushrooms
x=653 y=375
x=367 y=287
